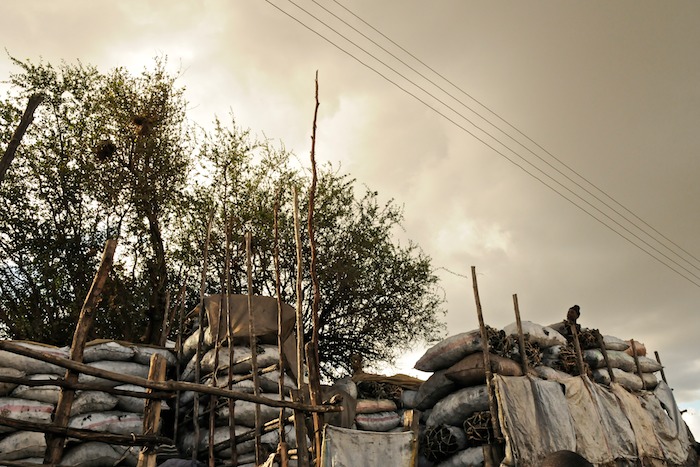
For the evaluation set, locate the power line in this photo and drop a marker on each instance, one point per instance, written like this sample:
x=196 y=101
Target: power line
x=488 y=144
x=499 y=117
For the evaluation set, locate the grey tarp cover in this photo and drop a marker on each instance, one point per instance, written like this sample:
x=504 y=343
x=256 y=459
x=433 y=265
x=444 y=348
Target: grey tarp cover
x=534 y=418
x=603 y=425
x=343 y=447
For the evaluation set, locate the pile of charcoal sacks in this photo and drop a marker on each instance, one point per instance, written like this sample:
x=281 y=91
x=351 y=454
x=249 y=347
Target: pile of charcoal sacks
x=454 y=404
x=97 y=409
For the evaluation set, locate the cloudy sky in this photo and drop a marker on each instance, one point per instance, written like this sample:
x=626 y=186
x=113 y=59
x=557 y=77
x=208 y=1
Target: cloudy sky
x=596 y=101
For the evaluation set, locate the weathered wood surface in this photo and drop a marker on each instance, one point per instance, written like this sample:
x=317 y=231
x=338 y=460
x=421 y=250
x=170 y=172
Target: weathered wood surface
x=151 y=412
x=55 y=443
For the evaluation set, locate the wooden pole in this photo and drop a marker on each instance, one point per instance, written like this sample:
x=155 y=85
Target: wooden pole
x=299 y=417
x=17 y=136
x=636 y=363
x=282 y=447
x=521 y=337
x=663 y=375
x=200 y=340
x=253 y=343
x=55 y=443
x=487 y=361
x=231 y=358
x=577 y=349
x=151 y=412
x=314 y=379
x=604 y=351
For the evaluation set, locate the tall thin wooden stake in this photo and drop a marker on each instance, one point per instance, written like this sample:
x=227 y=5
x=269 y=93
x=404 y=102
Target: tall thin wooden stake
x=253 y=343
x=54 y=443
x=282 y=448
x=663 y=375
x=231 y=357
x=636 y=363
x=521 y=337
x=487 y=361
x=604 y=351
x=577 y=349
x=299 y=417
x=151 y=412
x=200 y=340
x=17 y=136
x=314 y=380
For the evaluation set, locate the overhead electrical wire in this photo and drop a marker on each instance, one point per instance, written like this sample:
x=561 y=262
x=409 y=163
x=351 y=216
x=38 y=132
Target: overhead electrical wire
x=596 y=197
x=499 y=117
x=483 y=141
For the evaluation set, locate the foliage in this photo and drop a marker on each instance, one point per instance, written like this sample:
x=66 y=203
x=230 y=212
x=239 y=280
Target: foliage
x=113 y=155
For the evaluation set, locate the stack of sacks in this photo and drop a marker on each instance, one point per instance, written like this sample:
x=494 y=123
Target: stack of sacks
x=454 y=393
x=620 y=357
x=214 y=371
x=623 y=365
x=92 y=409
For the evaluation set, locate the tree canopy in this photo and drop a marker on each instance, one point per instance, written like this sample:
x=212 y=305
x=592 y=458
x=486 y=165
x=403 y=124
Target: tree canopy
x=114 y=155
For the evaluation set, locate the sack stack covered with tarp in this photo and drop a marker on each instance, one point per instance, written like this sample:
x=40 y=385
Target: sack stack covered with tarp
x=95 y=409
x=223 y=366
x=563 y=403
x=376 y=401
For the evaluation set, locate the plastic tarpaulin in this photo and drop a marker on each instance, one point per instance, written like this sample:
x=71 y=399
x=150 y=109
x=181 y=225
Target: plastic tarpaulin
x=648 y=447
x=534 y=418
x=605 y=425
x=671 y=430
x=343 y=447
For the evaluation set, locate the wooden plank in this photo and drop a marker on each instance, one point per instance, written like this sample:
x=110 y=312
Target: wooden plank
x=55 y=443
x=577 y=349
x=636 y=363
x=151 y=412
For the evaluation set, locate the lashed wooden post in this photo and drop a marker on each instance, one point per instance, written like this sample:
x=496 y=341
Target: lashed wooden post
x=54 y=443
x=487 y=361
x=521 y=337
x=151 y=412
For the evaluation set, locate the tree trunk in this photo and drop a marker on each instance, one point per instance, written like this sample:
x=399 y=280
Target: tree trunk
x=158 y=280
x=24 y=123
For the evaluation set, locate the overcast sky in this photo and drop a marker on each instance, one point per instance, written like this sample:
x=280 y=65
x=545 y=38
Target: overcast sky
x=608 y=91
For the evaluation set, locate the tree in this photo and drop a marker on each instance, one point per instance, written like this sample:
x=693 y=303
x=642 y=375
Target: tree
x=111 y=154
x=107 y=157
x=377 y=297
